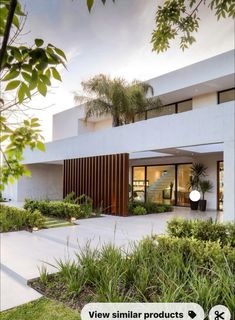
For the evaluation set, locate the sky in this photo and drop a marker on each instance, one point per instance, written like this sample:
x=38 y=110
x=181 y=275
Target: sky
x=113 y=39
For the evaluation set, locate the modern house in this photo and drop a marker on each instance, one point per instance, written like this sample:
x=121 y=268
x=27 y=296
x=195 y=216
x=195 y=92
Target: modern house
x=153 y=154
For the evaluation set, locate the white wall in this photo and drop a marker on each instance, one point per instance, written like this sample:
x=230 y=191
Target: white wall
x=46 y=182
x=205 y=100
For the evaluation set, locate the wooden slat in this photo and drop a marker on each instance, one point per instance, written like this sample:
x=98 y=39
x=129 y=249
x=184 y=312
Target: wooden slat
x=104 y=178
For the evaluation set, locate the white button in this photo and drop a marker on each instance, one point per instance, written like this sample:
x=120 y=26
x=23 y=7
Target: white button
x=219 y=312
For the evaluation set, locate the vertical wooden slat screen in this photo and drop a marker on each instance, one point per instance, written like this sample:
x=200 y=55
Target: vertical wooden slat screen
x=103 y=178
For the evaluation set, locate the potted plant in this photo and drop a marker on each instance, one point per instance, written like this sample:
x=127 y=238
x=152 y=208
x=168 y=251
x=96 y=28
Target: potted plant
x=198 y=170
x=205 y=186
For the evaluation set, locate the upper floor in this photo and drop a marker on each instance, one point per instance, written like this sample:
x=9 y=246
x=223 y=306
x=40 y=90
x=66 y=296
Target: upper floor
x=201 y=85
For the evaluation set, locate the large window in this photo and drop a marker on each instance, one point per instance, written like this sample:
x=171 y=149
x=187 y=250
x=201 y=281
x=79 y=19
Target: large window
x=226 y=95
x=164 y=184
x=220 y=182
x=183 y=174
x=161 y=184
x=138 y=183
x=165 y=110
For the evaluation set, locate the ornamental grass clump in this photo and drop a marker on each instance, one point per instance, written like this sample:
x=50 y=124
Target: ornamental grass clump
x=158 y=269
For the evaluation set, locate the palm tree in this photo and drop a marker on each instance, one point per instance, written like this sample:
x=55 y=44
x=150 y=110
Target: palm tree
x=122 y=100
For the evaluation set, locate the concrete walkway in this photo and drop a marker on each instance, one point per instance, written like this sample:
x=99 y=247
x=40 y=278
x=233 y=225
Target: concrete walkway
x=23 y=253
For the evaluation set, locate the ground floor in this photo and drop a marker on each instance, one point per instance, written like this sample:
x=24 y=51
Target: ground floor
x=112 y=180
x=23 y=253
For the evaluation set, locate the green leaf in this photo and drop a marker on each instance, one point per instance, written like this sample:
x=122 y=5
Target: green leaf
x=11 y=180
x=12 y=85
x=60 y=53
x=38 y=42
x=16 y=21
x=26 y=77
x=90 y=4
x=55 y=74
x=41 y=146
x=42 y=88
x=21 y=94
x=27 y=173
x=11 y=75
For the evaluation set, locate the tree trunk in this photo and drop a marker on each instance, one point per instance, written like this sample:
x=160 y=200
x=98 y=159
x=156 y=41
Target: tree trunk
x=116 y=121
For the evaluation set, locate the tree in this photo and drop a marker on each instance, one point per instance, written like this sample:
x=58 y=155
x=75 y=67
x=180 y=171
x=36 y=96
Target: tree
x=116 y=97
x=181 y=18
x=25 y=70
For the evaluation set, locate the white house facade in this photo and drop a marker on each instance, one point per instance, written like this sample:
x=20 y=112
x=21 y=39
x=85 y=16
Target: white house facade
x=196 y=124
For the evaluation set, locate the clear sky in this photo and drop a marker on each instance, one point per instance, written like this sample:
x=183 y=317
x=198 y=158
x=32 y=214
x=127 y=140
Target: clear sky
x=112 y=39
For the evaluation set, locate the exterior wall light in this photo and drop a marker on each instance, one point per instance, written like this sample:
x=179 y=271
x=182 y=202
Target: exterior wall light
x=194 y=196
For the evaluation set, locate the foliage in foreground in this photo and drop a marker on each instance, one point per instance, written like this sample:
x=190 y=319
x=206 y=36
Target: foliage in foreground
x=203 y=230
x=59 y=209
x=150 y=207
x=14 y=219
x=42 y=309
x=157 y=270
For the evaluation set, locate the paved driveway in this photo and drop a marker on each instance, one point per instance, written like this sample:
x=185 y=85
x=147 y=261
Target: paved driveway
x=23 y=253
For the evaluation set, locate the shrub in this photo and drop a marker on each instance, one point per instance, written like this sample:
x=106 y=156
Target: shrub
x=203 y=230
x=139 y=210
x=151 y=207
x=13 y=219
x=161 y=269
x=57 y=208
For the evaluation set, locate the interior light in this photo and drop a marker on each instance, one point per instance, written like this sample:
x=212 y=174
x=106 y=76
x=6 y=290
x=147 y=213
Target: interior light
x=194 y=196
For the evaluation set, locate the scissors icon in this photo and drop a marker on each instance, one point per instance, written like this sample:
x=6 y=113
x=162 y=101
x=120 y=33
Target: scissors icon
x=219 y=315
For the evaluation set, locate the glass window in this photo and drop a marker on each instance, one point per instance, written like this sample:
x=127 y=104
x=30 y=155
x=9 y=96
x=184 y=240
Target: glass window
x=138 y=183
x=183 y=176
x=226 y=96
x=139 y=117
x=161 y=111
x=161 y=184
x=221 y=185
x=184 y=106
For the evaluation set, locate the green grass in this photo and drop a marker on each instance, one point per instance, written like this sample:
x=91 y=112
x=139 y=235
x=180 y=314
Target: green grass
x=42 y=309
x=52 y=222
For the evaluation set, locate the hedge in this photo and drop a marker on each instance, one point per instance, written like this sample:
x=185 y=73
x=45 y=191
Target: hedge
x=58 y=208
x=205 y=230
x=150 y=207
x=14 y=219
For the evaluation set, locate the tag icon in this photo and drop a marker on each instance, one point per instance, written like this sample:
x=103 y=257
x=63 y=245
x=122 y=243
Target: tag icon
x=192 y=314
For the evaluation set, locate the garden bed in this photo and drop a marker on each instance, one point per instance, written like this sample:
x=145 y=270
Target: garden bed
x=158 y=269
x=142 y=208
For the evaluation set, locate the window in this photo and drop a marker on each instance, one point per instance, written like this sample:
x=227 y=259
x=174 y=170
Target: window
x=165 y=184
x=226 y=95
x=140 y=116
x=184 y=106
x=161 y=111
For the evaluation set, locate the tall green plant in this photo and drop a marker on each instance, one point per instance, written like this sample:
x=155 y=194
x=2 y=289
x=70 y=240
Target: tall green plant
x=116 y=97
x=198 y=170
x=205 y=186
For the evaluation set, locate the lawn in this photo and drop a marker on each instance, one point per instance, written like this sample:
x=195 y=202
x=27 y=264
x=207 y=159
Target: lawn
x=52 y=222
x=42 y=309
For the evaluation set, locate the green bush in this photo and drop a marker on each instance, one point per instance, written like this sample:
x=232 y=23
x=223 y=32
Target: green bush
x=58 y=208
x=139 y=210
x=150 y=207
x=13 y=219
x=206 y=230
x=161 y=269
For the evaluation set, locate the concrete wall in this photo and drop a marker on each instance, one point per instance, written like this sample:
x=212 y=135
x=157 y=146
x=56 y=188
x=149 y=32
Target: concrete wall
x=205 y=100
x=46 y=182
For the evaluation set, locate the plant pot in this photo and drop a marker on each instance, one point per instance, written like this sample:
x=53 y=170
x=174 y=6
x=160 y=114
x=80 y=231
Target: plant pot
x=194 y=205
x=202 y=205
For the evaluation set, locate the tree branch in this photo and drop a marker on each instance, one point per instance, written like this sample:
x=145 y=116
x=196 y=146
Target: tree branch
x=10 y=16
